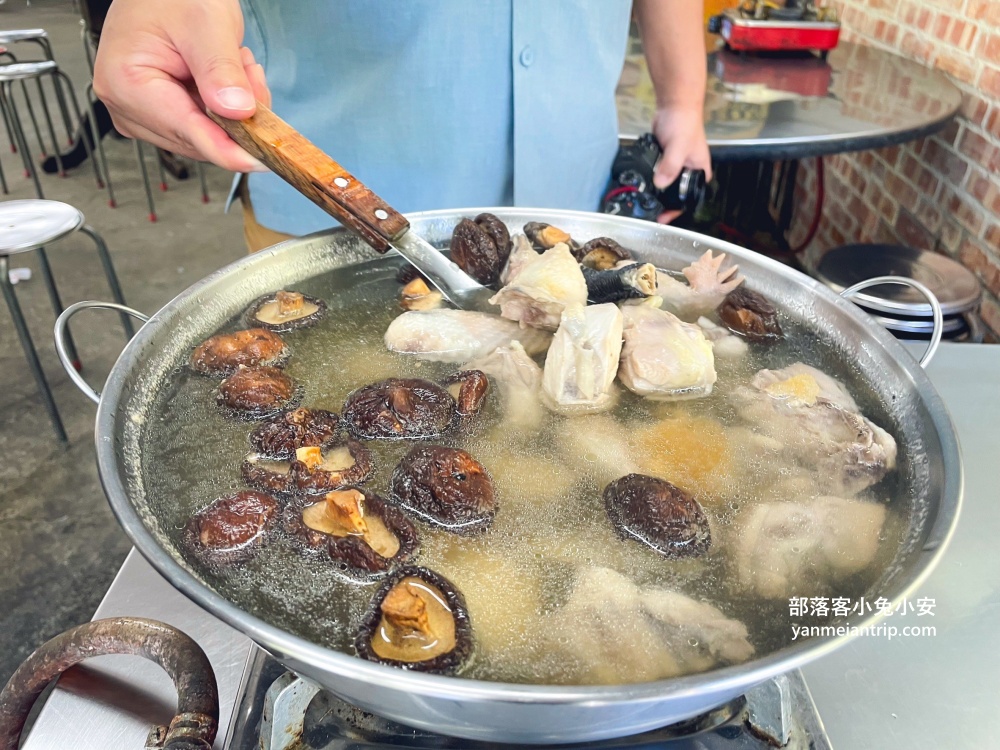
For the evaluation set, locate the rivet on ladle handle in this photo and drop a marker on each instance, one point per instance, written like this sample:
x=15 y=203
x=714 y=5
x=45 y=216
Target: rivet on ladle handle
x=302 y=164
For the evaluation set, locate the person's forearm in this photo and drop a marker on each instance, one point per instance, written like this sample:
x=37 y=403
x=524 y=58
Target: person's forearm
x=674 y=43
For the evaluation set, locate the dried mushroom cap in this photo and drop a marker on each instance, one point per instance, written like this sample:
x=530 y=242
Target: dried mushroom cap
x=281 y=435
x=223 y=353
x=418 y=620
x=750 y=314
x=602 y=254
x=313 y=469
x=286 y=311
x=545 y=236
x=416 y=295
x=354 y=528
x=445 y=487
x=658 y=514
x=480 y=247
x=399 y=408
x=232 y=529
x=468 y=388
x=256 y=392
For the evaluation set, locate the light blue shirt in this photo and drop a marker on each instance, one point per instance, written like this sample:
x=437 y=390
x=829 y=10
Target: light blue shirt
x=444 y=103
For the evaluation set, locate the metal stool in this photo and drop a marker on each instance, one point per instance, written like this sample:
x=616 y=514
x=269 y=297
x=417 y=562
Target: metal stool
x=27 y=225
x=41 y=38
x=19 y=72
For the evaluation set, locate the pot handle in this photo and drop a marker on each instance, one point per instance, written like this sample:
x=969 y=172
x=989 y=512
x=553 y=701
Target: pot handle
x=197 y=719
x=60 y=336
x=903 y=281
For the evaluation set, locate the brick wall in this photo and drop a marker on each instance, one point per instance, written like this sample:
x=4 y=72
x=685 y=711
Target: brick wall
x=943 y=192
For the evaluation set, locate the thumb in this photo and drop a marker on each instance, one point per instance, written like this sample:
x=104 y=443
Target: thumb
x=668 y=167
x=216 y=65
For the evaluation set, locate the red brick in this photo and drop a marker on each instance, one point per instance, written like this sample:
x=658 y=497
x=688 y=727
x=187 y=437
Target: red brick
x=992 y=236
x=950 y=236
x=978 y=187
x=965 y=212
x=987 y=11
x=980 y=151
x=952 y=5
x=950 y=132
x=989 y=48
x=962 y=35
x=989 y=82
x=941 y=27
x=930 y=216
x=960 y=67
x=975 y=109
x=925 y=180
x=990 y=313
x=917 y=48
x=977 y=259
x=904 y=193
x=952 y=166
x=912 y=232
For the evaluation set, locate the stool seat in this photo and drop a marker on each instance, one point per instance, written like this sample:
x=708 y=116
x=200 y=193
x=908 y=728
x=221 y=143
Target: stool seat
x=20 y=71
x=22 y=35
x=29 y=224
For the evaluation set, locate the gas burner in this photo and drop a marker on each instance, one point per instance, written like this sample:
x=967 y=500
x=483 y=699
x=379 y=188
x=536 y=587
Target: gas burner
x=280 y=711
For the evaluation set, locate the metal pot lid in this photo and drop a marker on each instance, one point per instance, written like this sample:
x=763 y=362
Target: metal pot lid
x=955 y=286
x=951 y=325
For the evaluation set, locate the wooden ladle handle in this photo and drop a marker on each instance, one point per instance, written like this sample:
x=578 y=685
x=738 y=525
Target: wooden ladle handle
x=299 y=162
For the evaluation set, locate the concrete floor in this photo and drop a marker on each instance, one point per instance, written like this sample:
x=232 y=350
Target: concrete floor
x=59 y=544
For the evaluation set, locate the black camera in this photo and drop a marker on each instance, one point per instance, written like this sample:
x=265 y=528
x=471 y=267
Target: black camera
x=631 y=191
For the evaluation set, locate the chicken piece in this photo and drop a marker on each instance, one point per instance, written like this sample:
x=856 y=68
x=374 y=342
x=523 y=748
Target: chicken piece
x=458 y=335
x=781 y=549
x=616 y=632
x=539 y=288
x=708 y=284
x=583 y=359
x=520 y=379
x=724 y=343
x=521 y=254
x=819 y=426
x=664 y=358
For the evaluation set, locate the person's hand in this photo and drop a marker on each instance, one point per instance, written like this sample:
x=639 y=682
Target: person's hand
x=680 y=131
x=159 y=64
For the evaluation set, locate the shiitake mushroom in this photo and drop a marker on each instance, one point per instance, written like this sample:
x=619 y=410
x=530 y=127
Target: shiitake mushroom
x=313 y=470
x=283 y=434
x=256 y=392
x=418 y=621
x=445 y=487
x=232 y=529
x=658 y=514
x=223 y=353
x=355 y=528
x=400 y=409
x=285 y=311
x=545 y=236
x=601 y=254
x=480 y=247
x=468 y=388
x=750 y=314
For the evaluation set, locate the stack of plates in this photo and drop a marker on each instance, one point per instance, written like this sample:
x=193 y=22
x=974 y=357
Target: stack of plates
x=900 y=309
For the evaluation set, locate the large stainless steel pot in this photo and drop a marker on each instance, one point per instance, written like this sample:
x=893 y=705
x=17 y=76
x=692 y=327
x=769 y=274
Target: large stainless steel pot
x=525 y=713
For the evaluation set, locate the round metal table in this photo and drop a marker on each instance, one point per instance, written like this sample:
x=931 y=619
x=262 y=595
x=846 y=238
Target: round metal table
x=782 y=106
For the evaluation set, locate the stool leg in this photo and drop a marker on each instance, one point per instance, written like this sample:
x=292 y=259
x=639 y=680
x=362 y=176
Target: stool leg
x=7 y=100
x=34 y=120
x=10 y=132
x=163 y=172
x=63 y=109
x=29 y=349
x=3 y=181
x=201 y=177
x=57 y=305
x=51 y=129
x=145 y=177
x=59 y=78
x=100 y=145
x=112 y=277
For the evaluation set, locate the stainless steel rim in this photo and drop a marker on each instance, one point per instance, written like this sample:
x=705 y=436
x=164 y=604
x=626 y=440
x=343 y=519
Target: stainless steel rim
x=285 y=645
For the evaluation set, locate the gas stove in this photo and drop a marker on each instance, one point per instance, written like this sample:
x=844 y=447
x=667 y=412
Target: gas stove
x=113 y=701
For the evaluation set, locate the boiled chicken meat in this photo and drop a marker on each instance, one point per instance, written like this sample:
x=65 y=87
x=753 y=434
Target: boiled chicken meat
x=788 y=547
x=520 y=379
x=583 y=359
x=708 y=284
x=819 y=426
x=458 y=335
x=724 y=343
x=598 y=446
x=664 y=358
x=614 y=631
x=540 y=287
